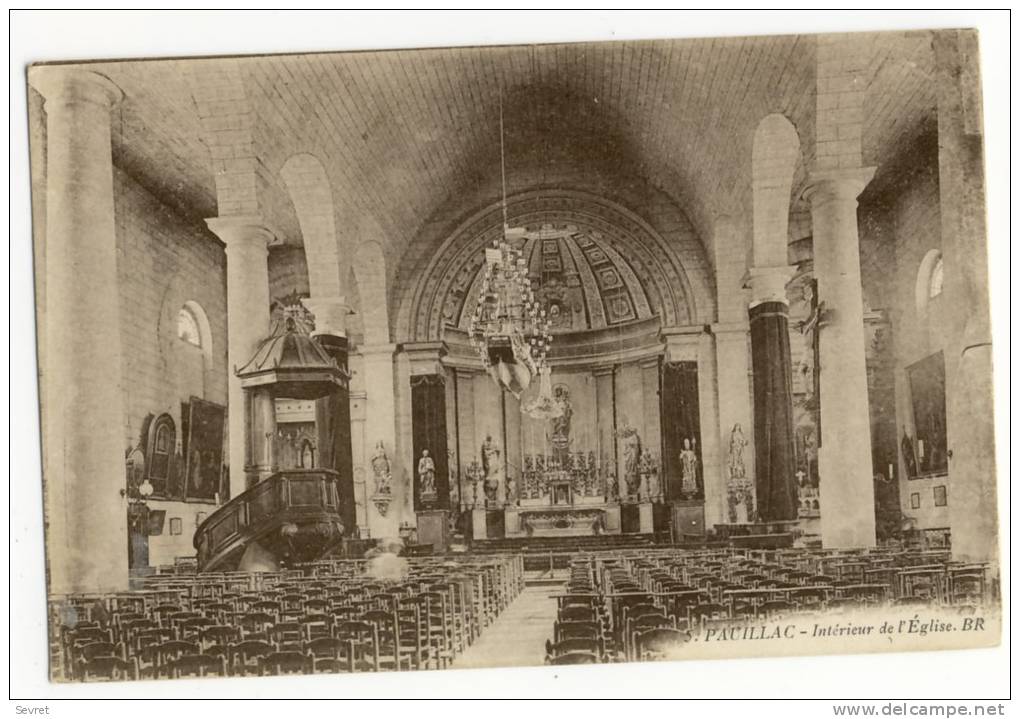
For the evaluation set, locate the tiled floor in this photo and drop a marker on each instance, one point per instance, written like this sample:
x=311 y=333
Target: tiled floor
x=517 y=637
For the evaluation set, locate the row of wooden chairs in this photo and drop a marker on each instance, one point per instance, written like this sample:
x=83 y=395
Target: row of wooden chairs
x=421 y=621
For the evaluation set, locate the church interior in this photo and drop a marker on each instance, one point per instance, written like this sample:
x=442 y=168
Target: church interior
x=562 y=353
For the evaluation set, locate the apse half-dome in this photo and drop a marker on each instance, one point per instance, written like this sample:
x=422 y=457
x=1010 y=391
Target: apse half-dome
x=593 y=265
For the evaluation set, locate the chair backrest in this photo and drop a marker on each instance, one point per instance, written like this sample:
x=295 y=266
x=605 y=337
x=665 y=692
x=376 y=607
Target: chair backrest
x=87 y=652
x=326 y=647
x=109 y=668
x=574 y=658
x=248 y=650
x=199 y=665
x=577 y=630
x=285 y=663
x=565 y=646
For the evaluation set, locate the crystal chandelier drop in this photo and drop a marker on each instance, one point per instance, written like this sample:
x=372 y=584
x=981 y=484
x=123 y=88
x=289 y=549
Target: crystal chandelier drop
x=509 y=329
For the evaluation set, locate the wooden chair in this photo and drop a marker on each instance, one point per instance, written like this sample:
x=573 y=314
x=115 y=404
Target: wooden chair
x=574 y=658
x=198 y=665
x=244 y=658
x=109 y=669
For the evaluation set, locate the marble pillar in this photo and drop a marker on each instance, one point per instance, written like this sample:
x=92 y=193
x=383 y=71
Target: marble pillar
x=82 y=405
x=844 y=454
x=775 y=464
x=247 y=242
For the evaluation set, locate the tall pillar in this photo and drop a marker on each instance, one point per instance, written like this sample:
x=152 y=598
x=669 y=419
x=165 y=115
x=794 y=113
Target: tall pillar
x=82 y=402
x=775 y=464
x=467 y=449
x=969 y=393
x=380 y=426
x=846 y=488
x=247 y=242
x=605 y=414
x=431 y=496
x=333 y=413
x=735 y=426
x=708 y=401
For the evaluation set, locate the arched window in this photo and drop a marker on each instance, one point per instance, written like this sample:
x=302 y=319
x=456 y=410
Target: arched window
x=187 y=328
x=192 y=350
x=929 y=281
x=935 y=282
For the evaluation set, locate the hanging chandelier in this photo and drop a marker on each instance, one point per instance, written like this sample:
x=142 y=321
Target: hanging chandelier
x=509 y=328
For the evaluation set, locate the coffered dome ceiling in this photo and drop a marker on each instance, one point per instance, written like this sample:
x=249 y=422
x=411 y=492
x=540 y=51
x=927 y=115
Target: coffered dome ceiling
x=593 y=264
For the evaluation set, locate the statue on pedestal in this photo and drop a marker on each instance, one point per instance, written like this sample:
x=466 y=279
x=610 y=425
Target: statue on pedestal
x=740 y=496
x=493 y=468
x=631 y=445
x=383 y=476
x=426 y=475
x=688 y=470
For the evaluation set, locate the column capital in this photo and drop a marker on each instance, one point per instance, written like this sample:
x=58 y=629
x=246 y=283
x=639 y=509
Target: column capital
x=330 y=314
x=425 y=357
x=240 y=230
x=846 y=183
x=768 y=284
x=61 y=84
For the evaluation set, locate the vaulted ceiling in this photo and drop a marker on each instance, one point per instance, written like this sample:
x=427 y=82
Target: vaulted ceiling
x=402 y=134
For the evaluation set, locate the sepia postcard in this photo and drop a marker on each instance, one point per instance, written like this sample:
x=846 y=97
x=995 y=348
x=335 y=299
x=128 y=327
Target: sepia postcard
x=517 y=355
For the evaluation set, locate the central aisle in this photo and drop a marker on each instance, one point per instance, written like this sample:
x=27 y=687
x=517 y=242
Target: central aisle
x=518 y=636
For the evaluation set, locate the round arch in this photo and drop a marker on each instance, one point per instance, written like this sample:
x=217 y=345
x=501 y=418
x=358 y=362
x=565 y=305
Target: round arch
x=774 y=157
x=673 y=278
x=309 y=189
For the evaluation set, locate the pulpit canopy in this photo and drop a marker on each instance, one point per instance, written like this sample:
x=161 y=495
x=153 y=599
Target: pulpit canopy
x=291 y=364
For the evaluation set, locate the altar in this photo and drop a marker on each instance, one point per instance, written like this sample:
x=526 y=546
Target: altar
x=582 y=520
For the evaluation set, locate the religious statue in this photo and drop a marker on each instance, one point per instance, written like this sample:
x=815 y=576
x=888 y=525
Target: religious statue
x=611 y=488
x=561 y=424
x=426 y=475
x=688 y=469
x=511 y=490
x=492 y=466
x=737 y=444
x=631 y=459
x=381 y=470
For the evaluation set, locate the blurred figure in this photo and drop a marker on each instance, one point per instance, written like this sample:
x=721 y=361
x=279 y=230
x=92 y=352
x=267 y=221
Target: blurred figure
x=384 y=561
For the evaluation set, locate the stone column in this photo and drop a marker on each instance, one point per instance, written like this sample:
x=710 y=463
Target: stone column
x=380 y=425
x=247 y=242
x=467 y=447
x=844 y=454
x=605 y=428
x=83 y=399
x=775 y=464
x=969 y=392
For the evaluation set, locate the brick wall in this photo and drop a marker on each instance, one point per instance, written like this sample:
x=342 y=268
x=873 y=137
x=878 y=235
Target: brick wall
x=165 y=260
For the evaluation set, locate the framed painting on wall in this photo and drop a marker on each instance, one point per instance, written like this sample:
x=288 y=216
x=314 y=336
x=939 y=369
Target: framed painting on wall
x=204 y=459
